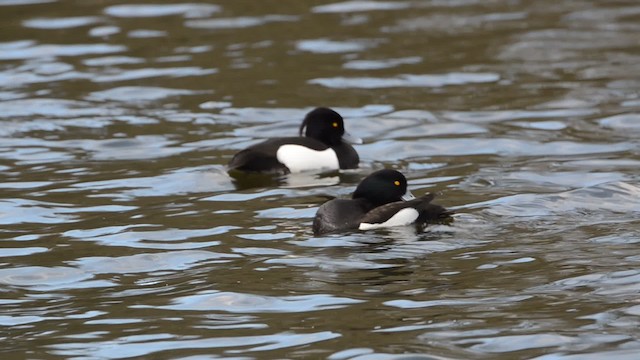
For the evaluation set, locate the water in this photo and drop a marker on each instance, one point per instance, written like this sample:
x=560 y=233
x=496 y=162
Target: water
x=123 y=236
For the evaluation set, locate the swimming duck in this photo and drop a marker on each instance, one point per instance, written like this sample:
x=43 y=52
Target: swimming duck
x=380 y=200
x=324 y=146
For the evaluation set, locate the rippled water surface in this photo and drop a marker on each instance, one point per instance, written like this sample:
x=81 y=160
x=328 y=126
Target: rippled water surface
x=123 y=236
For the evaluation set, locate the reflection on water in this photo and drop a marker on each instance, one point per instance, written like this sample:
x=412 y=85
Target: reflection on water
x=123 y=235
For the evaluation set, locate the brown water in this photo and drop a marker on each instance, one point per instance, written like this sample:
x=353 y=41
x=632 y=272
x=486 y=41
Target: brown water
x=123 y=236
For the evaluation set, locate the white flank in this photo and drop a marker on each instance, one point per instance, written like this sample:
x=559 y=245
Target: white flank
x=403 y=217
x=299 y=158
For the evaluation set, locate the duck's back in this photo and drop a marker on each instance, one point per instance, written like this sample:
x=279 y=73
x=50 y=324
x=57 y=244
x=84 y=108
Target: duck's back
x=337 y=215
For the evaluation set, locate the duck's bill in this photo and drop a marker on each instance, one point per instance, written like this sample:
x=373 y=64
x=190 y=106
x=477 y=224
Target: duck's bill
x=351 y=139
x=407 y=196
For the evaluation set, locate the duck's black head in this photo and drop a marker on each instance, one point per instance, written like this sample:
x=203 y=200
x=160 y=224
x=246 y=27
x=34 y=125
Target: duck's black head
x=325 y=125
x=382 y=187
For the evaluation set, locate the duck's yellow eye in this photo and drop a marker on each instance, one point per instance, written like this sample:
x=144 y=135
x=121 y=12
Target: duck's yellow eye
x=335 y=124
x=397 y=183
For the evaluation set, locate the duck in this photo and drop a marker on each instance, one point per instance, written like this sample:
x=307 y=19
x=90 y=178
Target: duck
x=381 y=200
x=325 y=146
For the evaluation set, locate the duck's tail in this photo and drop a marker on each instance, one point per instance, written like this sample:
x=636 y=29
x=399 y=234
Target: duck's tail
x=430 y=212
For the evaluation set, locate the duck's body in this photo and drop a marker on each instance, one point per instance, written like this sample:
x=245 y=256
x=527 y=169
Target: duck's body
x=340 y=214
x=399 y=213
x=322 y=148
x=380 y=200
x=294 y=154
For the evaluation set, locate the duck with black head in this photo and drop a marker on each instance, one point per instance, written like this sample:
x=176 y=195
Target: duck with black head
x=324 y=146
x=380 y=200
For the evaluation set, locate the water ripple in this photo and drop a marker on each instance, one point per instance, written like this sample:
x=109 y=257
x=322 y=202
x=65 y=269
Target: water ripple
x=405 y=80
x=623 y=122
x=32 y=51
x=19 y=211
x=248 y=303
x=132 y=346
x=380 y=64
x=23 y=251
x=156 y=10
x=325 y=46
x=60 y=23
x=205 y=179
x=160 y=239
x=359 y=5
x=503 y=344
x=57 y=108
x=616 y=197
x=623 y=354
x=136 y=94
x=41 y=278
x=126 y=75
x=169 y=260
x=237 y=22
x=394 y=150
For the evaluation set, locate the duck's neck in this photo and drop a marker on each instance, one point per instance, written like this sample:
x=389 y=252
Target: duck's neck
x=366 y=204
x=347 y=156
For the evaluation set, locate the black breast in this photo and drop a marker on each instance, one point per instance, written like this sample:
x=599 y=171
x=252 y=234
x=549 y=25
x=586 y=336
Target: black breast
x=347 y=156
